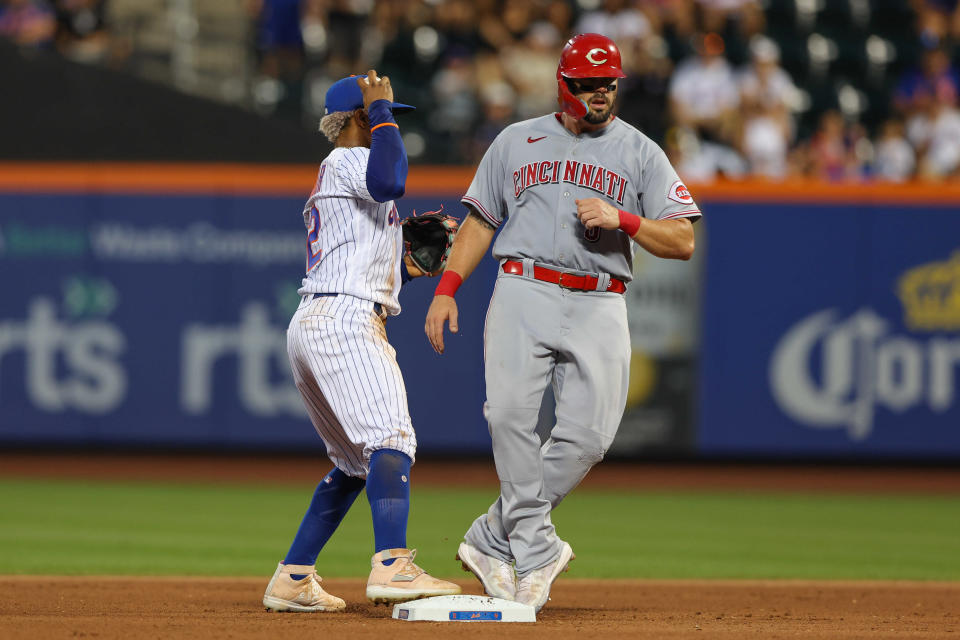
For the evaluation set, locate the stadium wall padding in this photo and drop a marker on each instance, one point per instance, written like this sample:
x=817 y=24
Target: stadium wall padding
x=150 y=312
x=831 y=331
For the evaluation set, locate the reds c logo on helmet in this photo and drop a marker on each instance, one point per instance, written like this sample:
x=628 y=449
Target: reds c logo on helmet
x=593 y=54
x=587 y=55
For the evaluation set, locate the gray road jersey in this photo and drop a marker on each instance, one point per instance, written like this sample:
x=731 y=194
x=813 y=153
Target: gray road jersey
x=533 y=172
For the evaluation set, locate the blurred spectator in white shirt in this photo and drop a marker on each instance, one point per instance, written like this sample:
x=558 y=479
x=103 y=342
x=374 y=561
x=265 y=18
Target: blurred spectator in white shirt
x=943 y=155
x=767 y=98
x=935 y=133
x=765 y=142
x=894 y=159
x=699 y=161
x=703 y=92
x=764 y=82
x=531 y=66
x=616 y=20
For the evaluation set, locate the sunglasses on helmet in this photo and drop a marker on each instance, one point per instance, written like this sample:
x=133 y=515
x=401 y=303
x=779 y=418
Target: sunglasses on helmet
x=591 y=85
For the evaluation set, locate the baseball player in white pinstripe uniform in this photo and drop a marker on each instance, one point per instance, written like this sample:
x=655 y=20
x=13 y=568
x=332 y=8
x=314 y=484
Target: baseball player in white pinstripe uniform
x=577 y=193
x=345 y=369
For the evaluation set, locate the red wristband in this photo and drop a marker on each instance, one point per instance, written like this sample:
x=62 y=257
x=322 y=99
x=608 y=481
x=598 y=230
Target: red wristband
x=450 y=281
x=629 y=223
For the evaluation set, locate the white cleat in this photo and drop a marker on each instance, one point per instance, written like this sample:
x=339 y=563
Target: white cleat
x=494 y=574
x=402 y=580
x=304 y=595
x=534 y=588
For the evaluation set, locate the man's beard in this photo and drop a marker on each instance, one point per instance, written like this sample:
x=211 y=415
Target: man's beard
x=599 y=117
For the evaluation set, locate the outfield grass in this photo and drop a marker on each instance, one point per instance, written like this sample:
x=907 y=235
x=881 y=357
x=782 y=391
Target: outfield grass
x=87 y=528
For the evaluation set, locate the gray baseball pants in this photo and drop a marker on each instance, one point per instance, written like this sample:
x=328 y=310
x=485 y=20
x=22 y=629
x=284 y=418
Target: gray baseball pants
x=538 y=333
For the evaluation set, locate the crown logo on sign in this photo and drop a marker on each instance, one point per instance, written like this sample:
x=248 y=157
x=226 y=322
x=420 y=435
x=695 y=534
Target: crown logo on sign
x=930 y=294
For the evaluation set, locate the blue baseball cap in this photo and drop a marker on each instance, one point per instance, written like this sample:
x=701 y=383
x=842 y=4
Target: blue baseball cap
x=345 y=95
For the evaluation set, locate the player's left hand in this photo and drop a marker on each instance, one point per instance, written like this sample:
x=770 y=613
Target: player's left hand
x=428 y=240
x=594 y=212
x=412 y=269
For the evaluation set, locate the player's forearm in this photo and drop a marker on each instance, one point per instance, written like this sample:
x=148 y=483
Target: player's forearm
x=666 y=238
x=387 y=166
x=473 y=240
x=468 y=250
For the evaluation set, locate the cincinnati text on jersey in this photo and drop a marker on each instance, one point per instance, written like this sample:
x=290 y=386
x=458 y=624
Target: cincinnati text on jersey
x=589 y=176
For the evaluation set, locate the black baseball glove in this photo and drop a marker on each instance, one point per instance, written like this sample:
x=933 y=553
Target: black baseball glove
x=428 y=238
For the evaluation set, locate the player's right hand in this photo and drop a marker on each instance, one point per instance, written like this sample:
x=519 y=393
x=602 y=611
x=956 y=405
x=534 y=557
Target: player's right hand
x=442 y=308
x=374 y=88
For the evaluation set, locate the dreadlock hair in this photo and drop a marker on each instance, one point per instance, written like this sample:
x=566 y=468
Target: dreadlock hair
x=332 y=124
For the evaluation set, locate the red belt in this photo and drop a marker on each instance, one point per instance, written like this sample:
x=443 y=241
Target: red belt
x=565 y=280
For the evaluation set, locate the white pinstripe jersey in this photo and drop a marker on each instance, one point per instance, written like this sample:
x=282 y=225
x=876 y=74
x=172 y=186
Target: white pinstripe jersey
x=354 y=243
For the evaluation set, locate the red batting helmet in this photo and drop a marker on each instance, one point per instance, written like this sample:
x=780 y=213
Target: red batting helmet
x=587 y=55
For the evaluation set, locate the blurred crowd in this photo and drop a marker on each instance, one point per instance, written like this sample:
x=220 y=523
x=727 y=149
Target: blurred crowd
x=75 y=28
x=834 y=89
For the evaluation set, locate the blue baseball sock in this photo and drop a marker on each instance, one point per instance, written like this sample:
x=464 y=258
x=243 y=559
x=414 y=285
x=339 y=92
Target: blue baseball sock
x=331 y=501
x=388 y=491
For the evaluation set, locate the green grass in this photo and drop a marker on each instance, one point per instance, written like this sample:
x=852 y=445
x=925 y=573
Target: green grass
x=74 y=528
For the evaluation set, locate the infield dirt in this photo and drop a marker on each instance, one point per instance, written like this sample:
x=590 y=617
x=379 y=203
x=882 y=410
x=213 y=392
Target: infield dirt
x=204 y=608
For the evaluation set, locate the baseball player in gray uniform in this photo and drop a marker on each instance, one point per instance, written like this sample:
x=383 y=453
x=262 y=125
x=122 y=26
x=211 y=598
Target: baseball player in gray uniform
x=574 y=194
